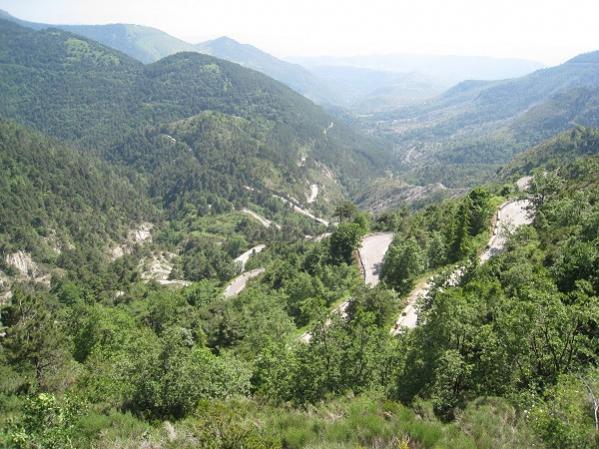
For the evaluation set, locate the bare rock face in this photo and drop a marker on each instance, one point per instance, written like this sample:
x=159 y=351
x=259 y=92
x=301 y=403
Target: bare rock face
x=313 y=193
x=23 y=263
x=26 y=269
x=136 y=236
x=158 y=268
x=141 y=234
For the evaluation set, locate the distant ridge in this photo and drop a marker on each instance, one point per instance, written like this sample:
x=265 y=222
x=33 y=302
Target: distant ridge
x=294 y=75
x=143 y=43
x=366 y=84
x=464 y=134
x=590 y=57
x=149 y=45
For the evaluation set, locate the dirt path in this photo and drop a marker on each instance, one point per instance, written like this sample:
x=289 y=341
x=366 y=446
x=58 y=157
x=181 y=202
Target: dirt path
x=238 y=284
x=372 y=253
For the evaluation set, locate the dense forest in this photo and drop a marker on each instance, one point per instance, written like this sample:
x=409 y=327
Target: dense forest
x=182 y=266
x=75 y=89
x=515 y=339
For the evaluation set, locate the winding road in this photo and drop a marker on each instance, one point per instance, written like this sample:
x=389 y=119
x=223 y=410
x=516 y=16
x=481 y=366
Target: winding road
x=409 y=316
x=237 y=285
x=263 y=221
x=510 y=216
x=243 y=258
x=372 y=253
x=302 y=211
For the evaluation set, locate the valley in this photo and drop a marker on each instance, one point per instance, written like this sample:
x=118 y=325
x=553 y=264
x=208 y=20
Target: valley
x=203 y=245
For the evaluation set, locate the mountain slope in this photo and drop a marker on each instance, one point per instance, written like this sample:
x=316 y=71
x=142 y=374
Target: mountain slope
x=58 y=203
x=568 y=146
x=446 y=69
x=462 y=136
x=78 y=90
x=143 y=43
x=293 y=75
x=149 y=45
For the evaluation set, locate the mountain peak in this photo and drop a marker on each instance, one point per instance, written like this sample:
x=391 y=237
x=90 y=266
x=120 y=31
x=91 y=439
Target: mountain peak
x=225 y=40
x=585 y=58
x=225 y=43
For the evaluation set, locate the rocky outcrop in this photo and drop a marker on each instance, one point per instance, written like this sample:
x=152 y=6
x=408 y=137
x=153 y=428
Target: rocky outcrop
x=158 y=268
x=136 y=236
x=23 y=263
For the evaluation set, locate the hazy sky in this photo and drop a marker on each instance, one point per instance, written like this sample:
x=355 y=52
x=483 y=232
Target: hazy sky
x=548 y=31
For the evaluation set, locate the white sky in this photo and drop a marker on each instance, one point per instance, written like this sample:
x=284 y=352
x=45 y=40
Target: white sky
x=549 y=31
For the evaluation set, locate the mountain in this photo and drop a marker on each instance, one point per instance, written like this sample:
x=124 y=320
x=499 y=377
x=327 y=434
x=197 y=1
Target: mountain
x=445 y=69
x=148 y=45
x=576 y=144
x=119 y=244
x=367 y=90
x=293 y=75
x=75 y=89
x=363 y=84
x=462 y=136
x=182 y=146
x=143 y=43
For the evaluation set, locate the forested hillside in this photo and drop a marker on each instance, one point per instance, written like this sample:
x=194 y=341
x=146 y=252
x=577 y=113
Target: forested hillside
x=145 y=44
x=555 y=152
x=77 y=90
x=181 y=264
x=464 y=135
x=149 y=45
x=47 y=185
x=60 y=208
x=514 y=338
